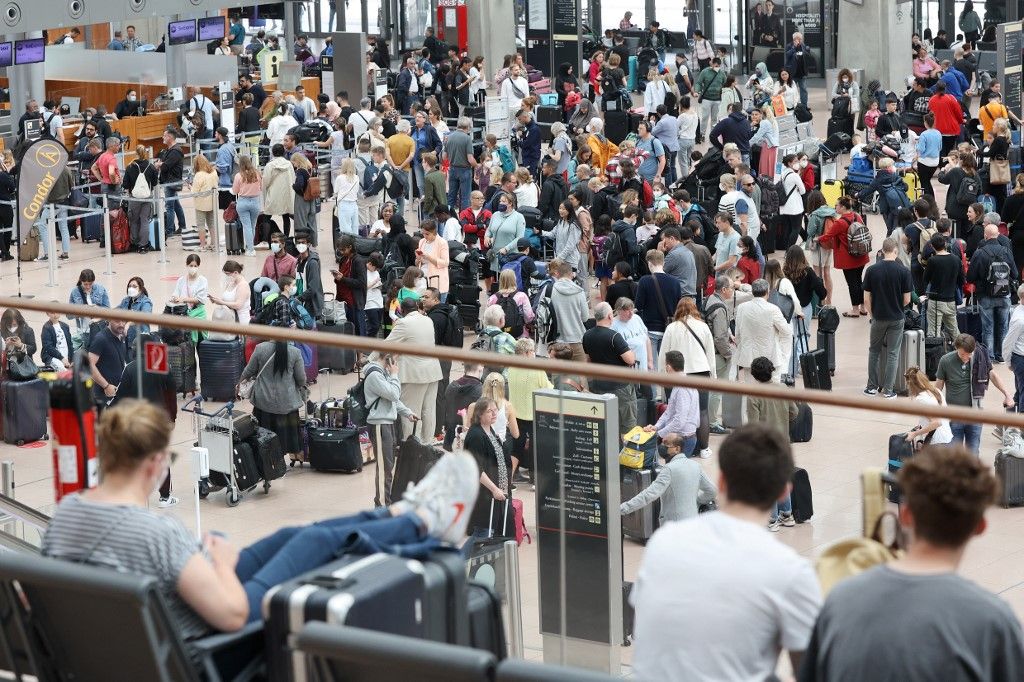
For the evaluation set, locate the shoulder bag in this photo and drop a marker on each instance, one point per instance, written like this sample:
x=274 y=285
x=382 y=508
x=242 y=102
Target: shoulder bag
x=661 y=299
x=246 y=386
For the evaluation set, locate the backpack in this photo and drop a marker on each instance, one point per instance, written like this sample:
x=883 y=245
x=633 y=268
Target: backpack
x=968 y=191
x=454 y=332
x=516 y=266
x=671 y=101
x=485 y=343
x=613 y=251
x=858 y=238
x=46 y=132
x=545 y=323
x=922 y=240
x=894 y=198
x=989 y=203
x=782 y=196
x=508 y=164
x=514 y=320
x=707 y=225
x=356 y=410
x=305 y=320
x=141 y=188
x=999 y=277
x=711 y=310
x=841 y=107
x=647 y=195
x=608 y=84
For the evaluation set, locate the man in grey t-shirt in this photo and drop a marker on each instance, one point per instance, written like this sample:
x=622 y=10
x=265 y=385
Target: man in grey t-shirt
x=458 y=149
x=915 y=618
x=679 y=261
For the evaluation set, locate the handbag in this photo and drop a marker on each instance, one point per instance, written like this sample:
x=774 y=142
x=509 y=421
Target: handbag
x=639 y=450
x=231 y=213
x=21 y=367
x=246 y=386
x=999 y=172
x=312 y=190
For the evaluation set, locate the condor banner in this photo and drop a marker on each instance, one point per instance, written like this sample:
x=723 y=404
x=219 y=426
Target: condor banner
x=42 y=164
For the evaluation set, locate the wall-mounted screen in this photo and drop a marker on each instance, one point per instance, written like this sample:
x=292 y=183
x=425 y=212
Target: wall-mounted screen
x=211 y=28
x=6 y=54
x=30 y=51
x=181 y=32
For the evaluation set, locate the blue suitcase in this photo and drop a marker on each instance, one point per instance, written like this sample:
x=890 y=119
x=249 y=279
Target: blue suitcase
x=92 y=228
x=220 y=368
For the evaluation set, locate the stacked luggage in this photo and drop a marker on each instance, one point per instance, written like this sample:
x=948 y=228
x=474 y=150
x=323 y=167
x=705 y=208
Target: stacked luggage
x=220 y=368
x=334 y=321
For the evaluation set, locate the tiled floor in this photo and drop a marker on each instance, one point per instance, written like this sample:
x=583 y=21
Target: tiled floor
x=845 y=441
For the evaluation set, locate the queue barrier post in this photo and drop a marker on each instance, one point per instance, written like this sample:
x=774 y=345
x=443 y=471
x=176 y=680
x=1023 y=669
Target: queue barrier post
x=515 y=599
x=159 y=202
x=51 y=247
x=106 y=236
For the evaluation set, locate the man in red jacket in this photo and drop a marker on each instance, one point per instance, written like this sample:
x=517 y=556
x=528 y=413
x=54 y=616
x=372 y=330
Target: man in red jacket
x=949 y=116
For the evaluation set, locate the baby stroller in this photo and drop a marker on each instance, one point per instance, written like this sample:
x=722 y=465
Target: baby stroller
x=647 y=58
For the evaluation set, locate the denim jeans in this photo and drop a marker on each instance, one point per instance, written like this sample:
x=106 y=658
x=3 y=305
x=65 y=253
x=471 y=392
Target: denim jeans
x=689 y=445
x=1017 y=365
x=460 y=184
x=248 y=210
x=408 y=192
x=60 y=217
x=995 y=320
x=421 y=179
x=886 y=336
x=968 y=434
x=802 y=87
x=290 y=552
x=669 y=174
x=348 y=218
x=172 y=207
x=784 y=507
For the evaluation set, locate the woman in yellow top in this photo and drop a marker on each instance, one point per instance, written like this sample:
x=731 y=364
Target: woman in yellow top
x=521 y=385
x=204 y=179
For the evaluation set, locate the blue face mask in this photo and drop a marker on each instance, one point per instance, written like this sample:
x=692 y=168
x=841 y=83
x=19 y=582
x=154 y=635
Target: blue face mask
x=502 y=208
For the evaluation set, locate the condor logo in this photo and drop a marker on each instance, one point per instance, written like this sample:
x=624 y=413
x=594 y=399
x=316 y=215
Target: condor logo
x=41 y=166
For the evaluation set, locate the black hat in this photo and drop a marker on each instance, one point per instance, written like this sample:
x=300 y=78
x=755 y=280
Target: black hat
x=523 y=243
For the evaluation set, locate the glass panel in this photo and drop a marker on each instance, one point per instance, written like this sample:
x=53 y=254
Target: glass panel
x=417 y=18
x=330 y=16
x=612 y=12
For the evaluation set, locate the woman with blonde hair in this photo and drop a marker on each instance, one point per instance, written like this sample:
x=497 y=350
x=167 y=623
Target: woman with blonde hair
x=303 y=208
x=506 y=425
x=346 y=193
x=204 y=179
x=691 y=336
x=998 y=153
x=247 y=187
x=655 y=90
x=521 y=385
x=928 y=430
x=527 y=193
x=139 y=212
x=508 y=287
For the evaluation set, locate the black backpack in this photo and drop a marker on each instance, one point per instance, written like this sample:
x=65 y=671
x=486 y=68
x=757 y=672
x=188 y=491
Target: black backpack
x=514 y=320
x=609 y=88
x=613 y=251
x=454 y=332
x=1000 y=277
x=355 y=407
x=968 y=191
x=46 y=132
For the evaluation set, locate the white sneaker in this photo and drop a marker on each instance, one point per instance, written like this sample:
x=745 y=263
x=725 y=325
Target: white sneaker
x=263 y=246
x=787 y=520
x=166 y=502
x=705 y=453
x=251 y=253
x=775 y=525
x=447 y=494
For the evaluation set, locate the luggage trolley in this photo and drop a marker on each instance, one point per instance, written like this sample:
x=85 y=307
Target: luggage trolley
x=215 y=432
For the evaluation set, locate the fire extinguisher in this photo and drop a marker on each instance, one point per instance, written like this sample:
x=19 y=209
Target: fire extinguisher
x=73 y=418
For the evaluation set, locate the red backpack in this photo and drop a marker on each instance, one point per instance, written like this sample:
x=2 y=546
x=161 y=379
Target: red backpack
x=647 y=195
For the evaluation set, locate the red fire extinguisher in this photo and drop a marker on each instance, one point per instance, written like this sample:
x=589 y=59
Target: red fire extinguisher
x=73 y=418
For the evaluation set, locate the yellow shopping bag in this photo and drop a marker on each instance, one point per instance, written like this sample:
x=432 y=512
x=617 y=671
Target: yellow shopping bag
x=639 y=449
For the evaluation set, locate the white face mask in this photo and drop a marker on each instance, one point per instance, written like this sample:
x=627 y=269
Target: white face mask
x=193 y=271
x=132 y=98
x=846 y=80
x=133 y=292
x=275 y=247
x=302 y=248
x=803 y=164
x=13 y=329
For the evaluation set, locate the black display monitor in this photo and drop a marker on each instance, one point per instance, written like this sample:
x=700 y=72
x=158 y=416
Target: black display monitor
x=212 y=28
x=6 y=54
x=181 y=32
x=31 y=51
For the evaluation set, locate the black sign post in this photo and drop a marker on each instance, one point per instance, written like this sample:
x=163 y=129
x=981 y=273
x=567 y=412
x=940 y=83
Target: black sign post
x=1009 y=43
x=565 y=31
x=579 y=537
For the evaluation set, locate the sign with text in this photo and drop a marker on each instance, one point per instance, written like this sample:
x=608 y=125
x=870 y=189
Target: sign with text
x=576 y=446
x=41 y=166
x=1009 y=43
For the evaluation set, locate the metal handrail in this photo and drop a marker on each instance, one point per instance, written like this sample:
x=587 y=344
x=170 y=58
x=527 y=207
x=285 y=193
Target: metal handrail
x=24 y=513
x=548 y=365
x=16 y=544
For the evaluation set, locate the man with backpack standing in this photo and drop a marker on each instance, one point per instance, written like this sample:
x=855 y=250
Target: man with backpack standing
x=679 y=261
x=993 y=272
x=569 y=305
x=448 y=331
x=887 y=289
x=918 y=234
x=796 y=64
x=458 y=149
x=553 y=191
x=892 y=193
x=653 y=166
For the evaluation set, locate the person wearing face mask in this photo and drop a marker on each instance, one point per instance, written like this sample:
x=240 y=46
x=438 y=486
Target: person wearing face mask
x=507 y=227
x=806 y=171
x=279 y=262
x=18 y=336
x=307 y=272
x=236 y=292
x=846 y=86
x=8 y=190
x=791 y=206
x=136 y=299
x=108 y=355
x=280 y=312
x=192 y=289
x=129 y=106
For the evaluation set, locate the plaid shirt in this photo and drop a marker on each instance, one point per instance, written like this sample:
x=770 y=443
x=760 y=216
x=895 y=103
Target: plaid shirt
x=613 y=169
x=502 y=342
x=132 y=44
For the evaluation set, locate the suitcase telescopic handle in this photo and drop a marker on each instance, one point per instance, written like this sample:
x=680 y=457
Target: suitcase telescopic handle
x=504 y=520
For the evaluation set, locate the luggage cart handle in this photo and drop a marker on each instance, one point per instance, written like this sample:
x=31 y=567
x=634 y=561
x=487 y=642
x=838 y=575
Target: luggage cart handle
x=197 y=408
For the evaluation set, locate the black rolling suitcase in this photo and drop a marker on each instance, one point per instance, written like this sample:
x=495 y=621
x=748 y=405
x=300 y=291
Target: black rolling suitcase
x=486 y=625
x=266 y=447
x=335 y=450
x=181 y=363
x=934 y=348
x=645 y=411
x=841 y=124
x=814 y=367
x=172 y=336
x=827 y=341
x=968 y=321
x=333 y=358
x=641 y=524
x=382 y=592
x=616 y=126
x=470 y=315
x=802 y=428
x=1010 y=472
x=234 y=241
x=900 y=450
x=801 y=496
x=26 y=406
x=413 y=462
x=467 y=294
x=247 y=471
x=220 y=368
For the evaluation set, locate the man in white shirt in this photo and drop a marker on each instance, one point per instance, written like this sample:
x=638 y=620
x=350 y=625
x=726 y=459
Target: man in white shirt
x=1013 y=347
x=360 y=120
x=307 y=104
x=717 y=597
x=761 y=330
x=200 y=102
x=514 y=89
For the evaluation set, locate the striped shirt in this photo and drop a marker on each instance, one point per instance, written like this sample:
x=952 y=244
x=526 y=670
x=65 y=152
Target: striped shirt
x=128 y=539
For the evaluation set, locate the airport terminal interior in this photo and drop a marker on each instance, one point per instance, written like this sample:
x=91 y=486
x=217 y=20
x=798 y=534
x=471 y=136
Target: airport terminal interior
x=734 y=160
